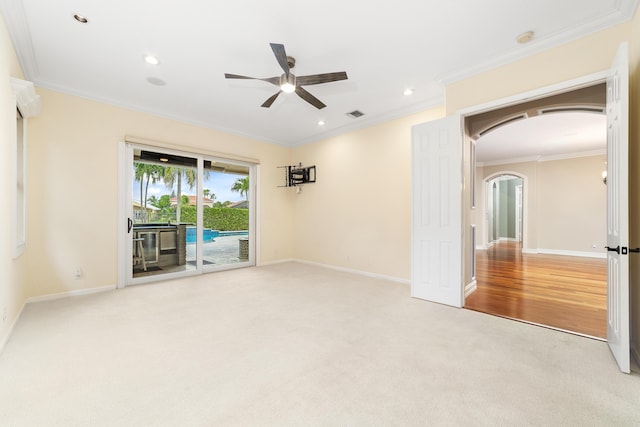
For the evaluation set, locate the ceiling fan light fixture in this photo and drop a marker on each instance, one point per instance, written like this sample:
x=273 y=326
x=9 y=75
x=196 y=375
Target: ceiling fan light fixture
x=288 y=83
x=288 y=88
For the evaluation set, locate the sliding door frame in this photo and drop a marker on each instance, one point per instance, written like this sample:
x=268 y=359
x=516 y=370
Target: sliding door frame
x=125 y=208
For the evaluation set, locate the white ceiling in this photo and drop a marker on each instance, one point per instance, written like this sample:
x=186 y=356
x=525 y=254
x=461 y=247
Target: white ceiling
x=542 y=137
x=384 y=47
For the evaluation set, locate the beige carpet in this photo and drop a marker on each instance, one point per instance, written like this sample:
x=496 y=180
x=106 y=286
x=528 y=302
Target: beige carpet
x=298 y=345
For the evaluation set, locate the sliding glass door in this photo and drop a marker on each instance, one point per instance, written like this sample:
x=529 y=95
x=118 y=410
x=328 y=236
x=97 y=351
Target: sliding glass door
x=186 y=214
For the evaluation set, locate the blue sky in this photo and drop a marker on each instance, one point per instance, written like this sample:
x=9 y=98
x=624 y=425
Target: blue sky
x=219 y=183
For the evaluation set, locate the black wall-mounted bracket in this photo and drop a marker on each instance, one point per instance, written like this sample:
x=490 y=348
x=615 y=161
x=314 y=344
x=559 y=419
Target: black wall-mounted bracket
x=299 y=175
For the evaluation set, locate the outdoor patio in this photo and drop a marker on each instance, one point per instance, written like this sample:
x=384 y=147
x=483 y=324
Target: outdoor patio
x=223 y=250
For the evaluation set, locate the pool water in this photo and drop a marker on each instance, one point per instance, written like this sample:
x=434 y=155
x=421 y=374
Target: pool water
x=208 y=235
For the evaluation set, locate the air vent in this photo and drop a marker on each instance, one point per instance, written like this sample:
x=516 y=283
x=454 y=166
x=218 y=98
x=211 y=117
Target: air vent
x=355 y=114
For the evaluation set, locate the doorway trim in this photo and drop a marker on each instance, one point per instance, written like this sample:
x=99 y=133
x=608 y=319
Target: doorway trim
x=464 y=113
x=540 y=93
x=124 y=249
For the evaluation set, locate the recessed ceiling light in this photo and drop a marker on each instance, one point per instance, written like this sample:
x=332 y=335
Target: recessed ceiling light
x=525 y=37
x=321 y=123
x=81 y=19
x=151 y=60
x=156 y=81
x=407 y=92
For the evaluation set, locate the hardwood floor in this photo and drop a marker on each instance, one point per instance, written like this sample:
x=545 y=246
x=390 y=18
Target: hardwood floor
x=564 y=292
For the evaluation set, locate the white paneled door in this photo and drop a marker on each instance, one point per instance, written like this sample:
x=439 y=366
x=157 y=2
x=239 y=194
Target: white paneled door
x=617 y=209
x=436 y=265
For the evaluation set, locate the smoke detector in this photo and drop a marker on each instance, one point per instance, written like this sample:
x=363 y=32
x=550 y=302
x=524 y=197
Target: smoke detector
x=525 y=37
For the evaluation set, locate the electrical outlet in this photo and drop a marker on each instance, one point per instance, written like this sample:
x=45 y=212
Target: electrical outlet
x=594 y=246
x=77 y=273
x=4 y=314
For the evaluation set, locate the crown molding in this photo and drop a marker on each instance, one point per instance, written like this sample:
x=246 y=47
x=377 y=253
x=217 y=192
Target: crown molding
x=18 y=28
x=625 y=10
x=563 y=156
x=26 y=97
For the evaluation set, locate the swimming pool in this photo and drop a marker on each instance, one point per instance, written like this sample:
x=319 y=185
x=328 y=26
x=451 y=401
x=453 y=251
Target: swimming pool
x=208 y=235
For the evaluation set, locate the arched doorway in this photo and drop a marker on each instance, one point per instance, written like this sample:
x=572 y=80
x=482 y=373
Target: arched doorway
x=503 y=203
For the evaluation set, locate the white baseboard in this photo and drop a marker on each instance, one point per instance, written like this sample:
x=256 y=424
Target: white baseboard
x=6 y=338
x=570 y=253
x=75 y=293
x=353 y=271
x=470 y=288
x=279 y=261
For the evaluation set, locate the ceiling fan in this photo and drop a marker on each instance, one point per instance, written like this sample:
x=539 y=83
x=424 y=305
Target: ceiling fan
x=288 y=82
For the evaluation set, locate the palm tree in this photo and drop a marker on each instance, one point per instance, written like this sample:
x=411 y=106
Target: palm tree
x=147 y=174
x=175 y=174
x=241 y=186
x=209 y=194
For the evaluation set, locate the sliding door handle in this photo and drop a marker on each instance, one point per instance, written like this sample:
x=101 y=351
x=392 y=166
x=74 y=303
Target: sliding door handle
x=129 y=225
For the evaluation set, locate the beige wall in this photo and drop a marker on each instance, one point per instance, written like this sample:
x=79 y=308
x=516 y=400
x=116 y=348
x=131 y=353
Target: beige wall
x=634 y=180
x=572 y=205
x=579 y=58
x=565 y=207
x=358 y=214
x=73 y=195
x=12 y=271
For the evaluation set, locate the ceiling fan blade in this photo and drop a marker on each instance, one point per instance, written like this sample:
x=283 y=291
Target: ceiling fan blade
x=281 y=56
x=321 y=78
x=309 y=98
x=236 y=76
x=268 y=102
x=273 y=80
